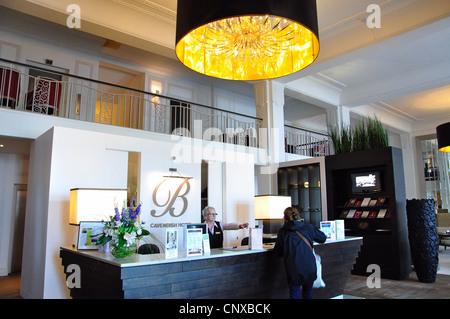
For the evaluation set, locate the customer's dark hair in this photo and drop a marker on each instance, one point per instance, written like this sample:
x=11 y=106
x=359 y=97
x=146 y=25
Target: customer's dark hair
x=291 y=214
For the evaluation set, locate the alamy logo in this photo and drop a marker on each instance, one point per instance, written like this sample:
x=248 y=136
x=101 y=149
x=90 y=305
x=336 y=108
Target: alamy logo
x=374 y=19
x=373 y=280
x=74 y=19
x=74 y=279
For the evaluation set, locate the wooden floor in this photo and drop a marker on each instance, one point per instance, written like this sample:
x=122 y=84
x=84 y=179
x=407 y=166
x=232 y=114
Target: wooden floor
x=10 y=286
x=410 y=288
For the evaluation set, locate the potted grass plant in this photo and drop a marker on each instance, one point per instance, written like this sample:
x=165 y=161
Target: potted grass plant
x=369 y=134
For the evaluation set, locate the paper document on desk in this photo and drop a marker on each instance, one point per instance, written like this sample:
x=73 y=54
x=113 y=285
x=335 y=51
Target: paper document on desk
x=171 y=243
x=340 y=229
x=255 y=240
x=329 y=229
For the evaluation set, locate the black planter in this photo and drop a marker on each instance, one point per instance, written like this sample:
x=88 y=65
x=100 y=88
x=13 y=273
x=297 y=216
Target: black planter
x=423 y=238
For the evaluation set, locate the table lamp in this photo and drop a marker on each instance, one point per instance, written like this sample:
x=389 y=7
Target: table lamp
x=88 y=204
x=270 y=209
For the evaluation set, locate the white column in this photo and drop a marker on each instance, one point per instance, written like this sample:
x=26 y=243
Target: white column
x=338 y=117
x=269 y=100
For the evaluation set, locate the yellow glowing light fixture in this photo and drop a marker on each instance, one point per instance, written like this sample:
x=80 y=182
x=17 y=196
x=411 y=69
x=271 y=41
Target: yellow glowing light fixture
x=247 y=39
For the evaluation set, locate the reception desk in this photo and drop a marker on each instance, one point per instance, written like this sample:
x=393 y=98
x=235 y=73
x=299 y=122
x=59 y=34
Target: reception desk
x=224 y=273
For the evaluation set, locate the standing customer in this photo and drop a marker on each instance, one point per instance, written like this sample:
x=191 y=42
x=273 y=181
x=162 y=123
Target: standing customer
x=215 y=228
x=299 y=261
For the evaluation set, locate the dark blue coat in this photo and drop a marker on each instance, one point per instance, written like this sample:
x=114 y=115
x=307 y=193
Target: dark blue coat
x=299 y=261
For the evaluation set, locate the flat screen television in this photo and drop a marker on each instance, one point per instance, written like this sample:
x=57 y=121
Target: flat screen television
x=368 y=182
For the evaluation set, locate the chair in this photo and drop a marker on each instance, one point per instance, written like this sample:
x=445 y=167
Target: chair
x=45 y=97
x=9 y=87
x=147 y=249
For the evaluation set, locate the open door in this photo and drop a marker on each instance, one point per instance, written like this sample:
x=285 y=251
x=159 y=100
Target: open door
x=20 y=192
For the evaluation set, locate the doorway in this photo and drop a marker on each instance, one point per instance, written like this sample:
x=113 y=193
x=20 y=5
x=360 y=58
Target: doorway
x=20 y=201
x=14 y=168
x=47 y=88
x=180 y=118
x=134 y=159
x=204 y=185
x=437 y=180
x=117 y=105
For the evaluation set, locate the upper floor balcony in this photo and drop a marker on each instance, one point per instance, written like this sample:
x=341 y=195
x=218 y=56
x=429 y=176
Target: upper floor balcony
x=26 y=88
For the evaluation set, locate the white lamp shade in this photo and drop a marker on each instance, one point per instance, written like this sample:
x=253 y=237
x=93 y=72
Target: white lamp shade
x=87 y=204
x=271 y=206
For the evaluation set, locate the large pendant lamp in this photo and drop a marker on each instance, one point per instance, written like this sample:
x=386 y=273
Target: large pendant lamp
x=247 y=39
x=443 y=137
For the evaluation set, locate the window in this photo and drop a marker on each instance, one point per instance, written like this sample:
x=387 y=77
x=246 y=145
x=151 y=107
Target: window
x=436 y=173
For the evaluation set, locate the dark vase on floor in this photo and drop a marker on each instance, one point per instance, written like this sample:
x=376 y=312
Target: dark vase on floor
x=423 y=238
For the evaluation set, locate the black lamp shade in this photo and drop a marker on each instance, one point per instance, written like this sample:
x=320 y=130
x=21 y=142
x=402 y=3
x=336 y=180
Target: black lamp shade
x=443 y=137
x=194 y=15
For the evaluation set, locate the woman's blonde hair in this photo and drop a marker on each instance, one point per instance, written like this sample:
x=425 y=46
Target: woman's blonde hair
x=291 y=214
x=205 y=211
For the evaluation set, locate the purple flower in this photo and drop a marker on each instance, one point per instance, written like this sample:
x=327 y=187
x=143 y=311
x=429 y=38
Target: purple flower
x=135 y=213
x=131 y=213
x=138 y=210
x=117 y=214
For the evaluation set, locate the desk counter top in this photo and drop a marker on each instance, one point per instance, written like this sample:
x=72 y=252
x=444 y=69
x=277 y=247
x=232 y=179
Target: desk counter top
x=152 y=259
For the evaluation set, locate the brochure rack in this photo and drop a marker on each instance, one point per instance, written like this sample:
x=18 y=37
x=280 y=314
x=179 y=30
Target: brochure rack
x=376 y=212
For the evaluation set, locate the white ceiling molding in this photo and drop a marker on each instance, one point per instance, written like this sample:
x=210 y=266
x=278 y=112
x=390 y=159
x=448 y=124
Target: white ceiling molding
x=151 y=8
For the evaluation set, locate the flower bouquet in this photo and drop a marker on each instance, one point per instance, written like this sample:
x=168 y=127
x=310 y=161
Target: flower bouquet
x=123 y=230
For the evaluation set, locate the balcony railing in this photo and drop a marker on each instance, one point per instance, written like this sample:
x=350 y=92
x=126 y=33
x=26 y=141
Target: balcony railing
x=37 y=89
x=306 y=143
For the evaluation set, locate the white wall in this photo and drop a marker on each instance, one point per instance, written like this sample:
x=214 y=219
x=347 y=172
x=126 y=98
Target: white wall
x=65 y=158
x=61 y=159
x=238 y=202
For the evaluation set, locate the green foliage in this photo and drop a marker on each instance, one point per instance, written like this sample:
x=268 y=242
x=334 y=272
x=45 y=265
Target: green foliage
x=335 y=139
x=346 y=140
x=360 y=138
x=366 y=135
x=377 y=134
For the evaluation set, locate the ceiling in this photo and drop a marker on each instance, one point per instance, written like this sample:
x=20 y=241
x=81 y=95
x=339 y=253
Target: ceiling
x=401 y=70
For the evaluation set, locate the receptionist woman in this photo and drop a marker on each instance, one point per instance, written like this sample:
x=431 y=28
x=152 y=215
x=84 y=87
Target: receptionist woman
x=215 y=228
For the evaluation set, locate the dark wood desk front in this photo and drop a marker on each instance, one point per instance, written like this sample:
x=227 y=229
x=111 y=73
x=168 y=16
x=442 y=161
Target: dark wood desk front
x=224 y=273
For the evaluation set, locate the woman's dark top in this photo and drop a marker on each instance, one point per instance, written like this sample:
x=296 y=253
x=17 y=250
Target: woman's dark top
x=299 y=261
x=216 y=238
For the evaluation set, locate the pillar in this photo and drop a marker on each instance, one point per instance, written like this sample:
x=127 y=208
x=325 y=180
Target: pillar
x=269 y=100
x=338 y=117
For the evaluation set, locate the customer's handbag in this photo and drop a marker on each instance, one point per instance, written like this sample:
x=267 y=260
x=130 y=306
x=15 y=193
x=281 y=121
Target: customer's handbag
x=318 y=283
